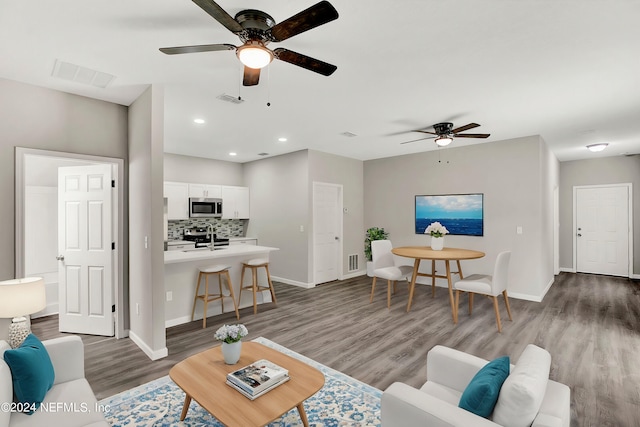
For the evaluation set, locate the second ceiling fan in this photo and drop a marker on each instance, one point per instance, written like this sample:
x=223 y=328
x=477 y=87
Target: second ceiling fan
x=256 y=29
x=445 y=133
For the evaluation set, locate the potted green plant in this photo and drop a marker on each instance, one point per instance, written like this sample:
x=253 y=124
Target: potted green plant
x=373 y=233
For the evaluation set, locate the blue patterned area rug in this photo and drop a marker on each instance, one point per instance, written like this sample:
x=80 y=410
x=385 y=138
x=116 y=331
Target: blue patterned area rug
x=342 y=402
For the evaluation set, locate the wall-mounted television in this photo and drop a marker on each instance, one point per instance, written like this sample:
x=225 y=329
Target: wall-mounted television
x=461 y=214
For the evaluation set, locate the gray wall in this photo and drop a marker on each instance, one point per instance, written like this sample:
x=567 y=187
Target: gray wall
x=279 y=198
x=146 y=266
x=199 y=170
x=605 y=170
x=34 y=117
x=347 y=172
x=509 y=173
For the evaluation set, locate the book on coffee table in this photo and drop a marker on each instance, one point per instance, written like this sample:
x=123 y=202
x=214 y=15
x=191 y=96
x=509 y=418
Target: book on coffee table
x=260 y=393
x=258 y=377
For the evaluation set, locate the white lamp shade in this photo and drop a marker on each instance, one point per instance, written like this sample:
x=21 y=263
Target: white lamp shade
x=443 y=141
x=20 y=297
x=254 y=56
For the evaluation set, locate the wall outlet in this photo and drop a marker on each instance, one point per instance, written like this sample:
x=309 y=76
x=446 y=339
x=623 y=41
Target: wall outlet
x=138 y=309
x=169 y=296
x=519 y=229
x=302 y=228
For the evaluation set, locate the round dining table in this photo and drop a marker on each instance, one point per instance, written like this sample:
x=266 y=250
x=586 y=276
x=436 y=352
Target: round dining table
x=418 y=253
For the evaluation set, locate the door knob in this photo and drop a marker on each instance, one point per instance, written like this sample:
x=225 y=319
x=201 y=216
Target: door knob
x=60 y=257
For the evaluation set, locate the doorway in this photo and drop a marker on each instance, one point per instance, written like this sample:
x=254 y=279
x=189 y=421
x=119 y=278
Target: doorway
x=327 y=232
x=603 y=229
x=37 y=233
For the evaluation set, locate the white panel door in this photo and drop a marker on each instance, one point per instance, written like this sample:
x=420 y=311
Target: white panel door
x=85 y=253
x=602 y=230
x=327 y=231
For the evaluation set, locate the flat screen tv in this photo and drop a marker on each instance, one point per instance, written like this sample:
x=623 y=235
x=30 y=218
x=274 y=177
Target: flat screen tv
x=461 y=214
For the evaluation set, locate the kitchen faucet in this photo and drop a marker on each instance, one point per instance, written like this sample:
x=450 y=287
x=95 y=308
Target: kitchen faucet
x=210 y=234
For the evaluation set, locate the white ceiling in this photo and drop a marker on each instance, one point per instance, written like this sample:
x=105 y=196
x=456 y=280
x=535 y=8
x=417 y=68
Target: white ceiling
x=566 y=70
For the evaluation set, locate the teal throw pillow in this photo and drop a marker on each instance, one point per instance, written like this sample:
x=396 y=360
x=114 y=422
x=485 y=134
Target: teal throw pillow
x=481 y=394
x=32 y=372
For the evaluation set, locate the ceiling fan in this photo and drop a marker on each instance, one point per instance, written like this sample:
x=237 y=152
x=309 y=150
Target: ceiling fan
x=444 y=133
x=256 y=29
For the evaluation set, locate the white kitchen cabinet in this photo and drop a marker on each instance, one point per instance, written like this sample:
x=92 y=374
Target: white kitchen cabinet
x=177 y=194
x=205 y=190
x=235 y=202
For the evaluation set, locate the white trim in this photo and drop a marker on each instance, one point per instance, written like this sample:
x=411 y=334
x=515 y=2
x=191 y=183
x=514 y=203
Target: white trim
x=630 y=215
x=178 y=321
x=151 y=354
x=635 y=276
x=526 y=297
x=353 y=274
x=118 y=169
x=292 y=282
x=567 y=270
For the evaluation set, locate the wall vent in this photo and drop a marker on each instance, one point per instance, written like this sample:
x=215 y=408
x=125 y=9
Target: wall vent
x=78 y=74
x=353 y=262
x=229 y=98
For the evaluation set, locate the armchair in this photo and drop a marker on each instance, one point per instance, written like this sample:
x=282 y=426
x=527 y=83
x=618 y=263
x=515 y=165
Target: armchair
x=526 y=392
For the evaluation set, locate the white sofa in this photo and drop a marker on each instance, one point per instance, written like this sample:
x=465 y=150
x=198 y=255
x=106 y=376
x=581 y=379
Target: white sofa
x=75 y=403
x=435 y=404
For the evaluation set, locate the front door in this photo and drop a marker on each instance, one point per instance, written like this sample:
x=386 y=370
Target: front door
x=327 y=231
x=85 y=250
x=602 y=230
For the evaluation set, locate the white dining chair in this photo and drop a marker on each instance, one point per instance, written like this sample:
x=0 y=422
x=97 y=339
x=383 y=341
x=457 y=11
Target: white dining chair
x=386 y=266
x=491 y=286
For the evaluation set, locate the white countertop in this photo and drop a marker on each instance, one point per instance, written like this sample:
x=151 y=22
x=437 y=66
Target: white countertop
x=171 y=257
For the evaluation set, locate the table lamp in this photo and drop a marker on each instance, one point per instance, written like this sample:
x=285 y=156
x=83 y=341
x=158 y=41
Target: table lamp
x=18 y=298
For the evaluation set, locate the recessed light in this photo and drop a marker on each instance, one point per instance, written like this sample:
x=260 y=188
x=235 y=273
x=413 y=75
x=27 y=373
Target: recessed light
x=282 y=139
x=233 y=153
x=198 y=121
x=597 y=147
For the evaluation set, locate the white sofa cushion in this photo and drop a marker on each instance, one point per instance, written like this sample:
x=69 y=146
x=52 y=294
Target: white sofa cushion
x=69 y=404
x=522 y=392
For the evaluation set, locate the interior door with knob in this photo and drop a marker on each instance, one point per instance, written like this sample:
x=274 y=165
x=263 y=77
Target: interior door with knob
x=327 y=231
x=602 y=230
x=85 y=250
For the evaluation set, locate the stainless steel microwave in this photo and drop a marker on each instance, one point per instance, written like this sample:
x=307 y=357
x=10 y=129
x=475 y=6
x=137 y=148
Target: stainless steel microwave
x=205 y=208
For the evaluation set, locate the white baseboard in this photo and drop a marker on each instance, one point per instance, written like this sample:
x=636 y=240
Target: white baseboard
x=151 y=354
x=353 y=274
x=635 y=276
x=293 y=282
x=178 y=321
x=526 y=297
x=567 y=270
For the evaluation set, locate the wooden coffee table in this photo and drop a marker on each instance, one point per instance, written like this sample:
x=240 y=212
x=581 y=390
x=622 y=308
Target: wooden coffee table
x=203 y=378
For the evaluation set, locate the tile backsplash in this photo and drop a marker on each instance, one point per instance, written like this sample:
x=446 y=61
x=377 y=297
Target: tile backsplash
x=222 y=227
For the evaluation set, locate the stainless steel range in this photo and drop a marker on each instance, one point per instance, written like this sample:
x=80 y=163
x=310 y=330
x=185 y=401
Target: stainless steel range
x=204 y=237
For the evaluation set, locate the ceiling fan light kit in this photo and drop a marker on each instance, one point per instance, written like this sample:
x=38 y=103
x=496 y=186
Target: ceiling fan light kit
x=256 y=29
x=443 y=141
x=597 y=147
x=254 y=55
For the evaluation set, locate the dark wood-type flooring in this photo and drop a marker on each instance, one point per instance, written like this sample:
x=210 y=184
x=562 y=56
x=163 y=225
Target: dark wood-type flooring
x=590 y=324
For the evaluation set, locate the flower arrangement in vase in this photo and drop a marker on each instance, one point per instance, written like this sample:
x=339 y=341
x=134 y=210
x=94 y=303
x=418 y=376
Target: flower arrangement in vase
x=437 y=232
x=231 y=337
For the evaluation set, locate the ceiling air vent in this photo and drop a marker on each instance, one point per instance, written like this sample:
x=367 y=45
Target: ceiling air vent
x=263 y=154
x=229 y=98
x=83 y=75
x=348 y=134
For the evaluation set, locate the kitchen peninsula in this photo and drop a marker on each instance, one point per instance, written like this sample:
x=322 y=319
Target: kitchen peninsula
x=181 y=273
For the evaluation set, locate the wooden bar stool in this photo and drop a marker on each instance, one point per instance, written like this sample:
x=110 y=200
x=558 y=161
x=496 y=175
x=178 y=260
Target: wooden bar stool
x=220 y=270
x=254 y=264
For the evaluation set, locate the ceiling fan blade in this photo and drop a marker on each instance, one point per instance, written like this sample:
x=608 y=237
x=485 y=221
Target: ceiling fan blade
x=251 y=76
x=425 y=131
x=465 y=127
x=313 y=17
x=304 y=61
x=472 y=135
x=197 y=48
x=415 y=140
x=219 y=14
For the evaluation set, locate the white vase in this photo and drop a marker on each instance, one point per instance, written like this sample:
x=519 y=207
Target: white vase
x=231 y=352
x=437 y=243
